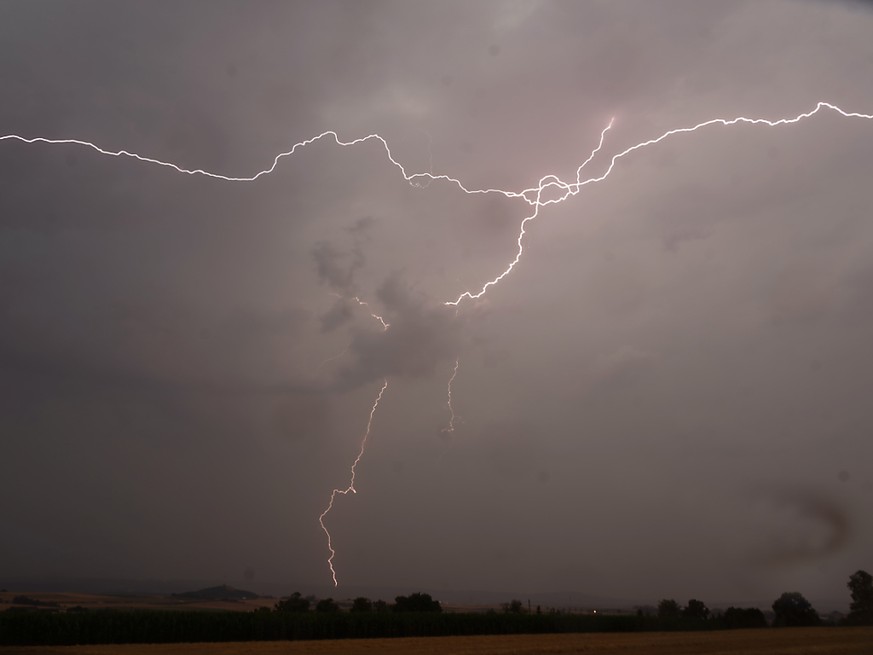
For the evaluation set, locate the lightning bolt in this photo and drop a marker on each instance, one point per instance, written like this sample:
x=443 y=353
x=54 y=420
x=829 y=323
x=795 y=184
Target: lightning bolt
x=571 y=189
x=363 y=303
x=351 y=487
x=545 y=183
x=420 y=185
x=451 y=426
x=549 y=180
x=533 y=196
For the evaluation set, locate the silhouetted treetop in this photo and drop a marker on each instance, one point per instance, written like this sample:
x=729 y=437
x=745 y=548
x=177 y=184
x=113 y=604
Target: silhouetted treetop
x=327 y=605
x=668 y=609
x=695 y=609
x=362 y=604
x=792 y=609
x=748 y=617
x=294 y=603
x=861 y=587
x=417 y=602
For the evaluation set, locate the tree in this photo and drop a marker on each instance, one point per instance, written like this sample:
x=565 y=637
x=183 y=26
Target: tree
x=294 y=603
x=417 y=602
x=327 y=605
x=695 y=609
x=668 y=609
x=362 y=604
x=791 y=609
x=746 y=617
x=514 y=606
x=861 y=610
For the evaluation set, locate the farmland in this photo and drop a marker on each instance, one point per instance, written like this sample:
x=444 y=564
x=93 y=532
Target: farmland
x=789 y=641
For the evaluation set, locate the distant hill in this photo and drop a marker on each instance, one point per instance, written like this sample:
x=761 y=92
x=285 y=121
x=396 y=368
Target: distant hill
x=222 y=592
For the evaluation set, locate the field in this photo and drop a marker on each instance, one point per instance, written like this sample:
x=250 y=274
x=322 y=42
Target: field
x=135 y=601
x=788 y=641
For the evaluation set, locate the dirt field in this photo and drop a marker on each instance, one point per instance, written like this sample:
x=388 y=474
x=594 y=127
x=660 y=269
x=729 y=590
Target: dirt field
x=795 y=641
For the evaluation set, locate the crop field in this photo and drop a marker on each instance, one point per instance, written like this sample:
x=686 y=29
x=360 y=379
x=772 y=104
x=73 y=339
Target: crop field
x=788 y=641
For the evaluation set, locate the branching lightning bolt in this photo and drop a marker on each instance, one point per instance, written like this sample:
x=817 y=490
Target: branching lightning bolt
x=545 y=183
x=572 y=189
x=351 y=488
x=533 y=196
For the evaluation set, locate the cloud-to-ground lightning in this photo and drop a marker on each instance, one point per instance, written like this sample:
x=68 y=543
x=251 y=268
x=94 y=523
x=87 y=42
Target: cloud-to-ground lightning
x=351 y=486
x=558 y=189
x=451 y=426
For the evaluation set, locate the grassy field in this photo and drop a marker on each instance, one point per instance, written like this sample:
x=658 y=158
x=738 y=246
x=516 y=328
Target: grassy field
x=788 y=641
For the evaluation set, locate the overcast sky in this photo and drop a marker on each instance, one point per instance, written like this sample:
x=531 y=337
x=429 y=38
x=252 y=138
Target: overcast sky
x=668 y=396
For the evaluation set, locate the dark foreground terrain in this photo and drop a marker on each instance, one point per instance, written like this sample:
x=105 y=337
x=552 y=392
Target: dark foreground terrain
x=787 y=641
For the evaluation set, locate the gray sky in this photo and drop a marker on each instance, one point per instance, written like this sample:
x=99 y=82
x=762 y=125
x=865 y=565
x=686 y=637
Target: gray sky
x=668 y=396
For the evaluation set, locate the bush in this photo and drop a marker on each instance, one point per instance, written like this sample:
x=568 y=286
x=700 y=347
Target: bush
x=748 y=617
x=294 y=603
x=417 y=602
x=327 y=605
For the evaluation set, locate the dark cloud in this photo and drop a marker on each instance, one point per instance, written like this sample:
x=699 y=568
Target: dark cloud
x=338 y=315
x=421 y=336
x=179 y=354
x=361 y=227
x=808 y=527
x=337 y=267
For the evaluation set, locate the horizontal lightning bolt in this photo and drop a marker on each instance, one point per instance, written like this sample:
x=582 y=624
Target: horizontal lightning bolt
x=351 y=488
x=532 y=195
x=414 y=176
x=411 y=178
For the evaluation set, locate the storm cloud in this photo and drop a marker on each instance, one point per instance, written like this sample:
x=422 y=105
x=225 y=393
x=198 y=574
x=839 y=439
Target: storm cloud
x=187 y=364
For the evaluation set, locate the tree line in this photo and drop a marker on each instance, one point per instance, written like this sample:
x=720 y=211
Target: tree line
x=417 y=615
x=417 y=602
x=790 y=609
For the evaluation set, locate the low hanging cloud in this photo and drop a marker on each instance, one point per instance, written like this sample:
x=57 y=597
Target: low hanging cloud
x=804 y=526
